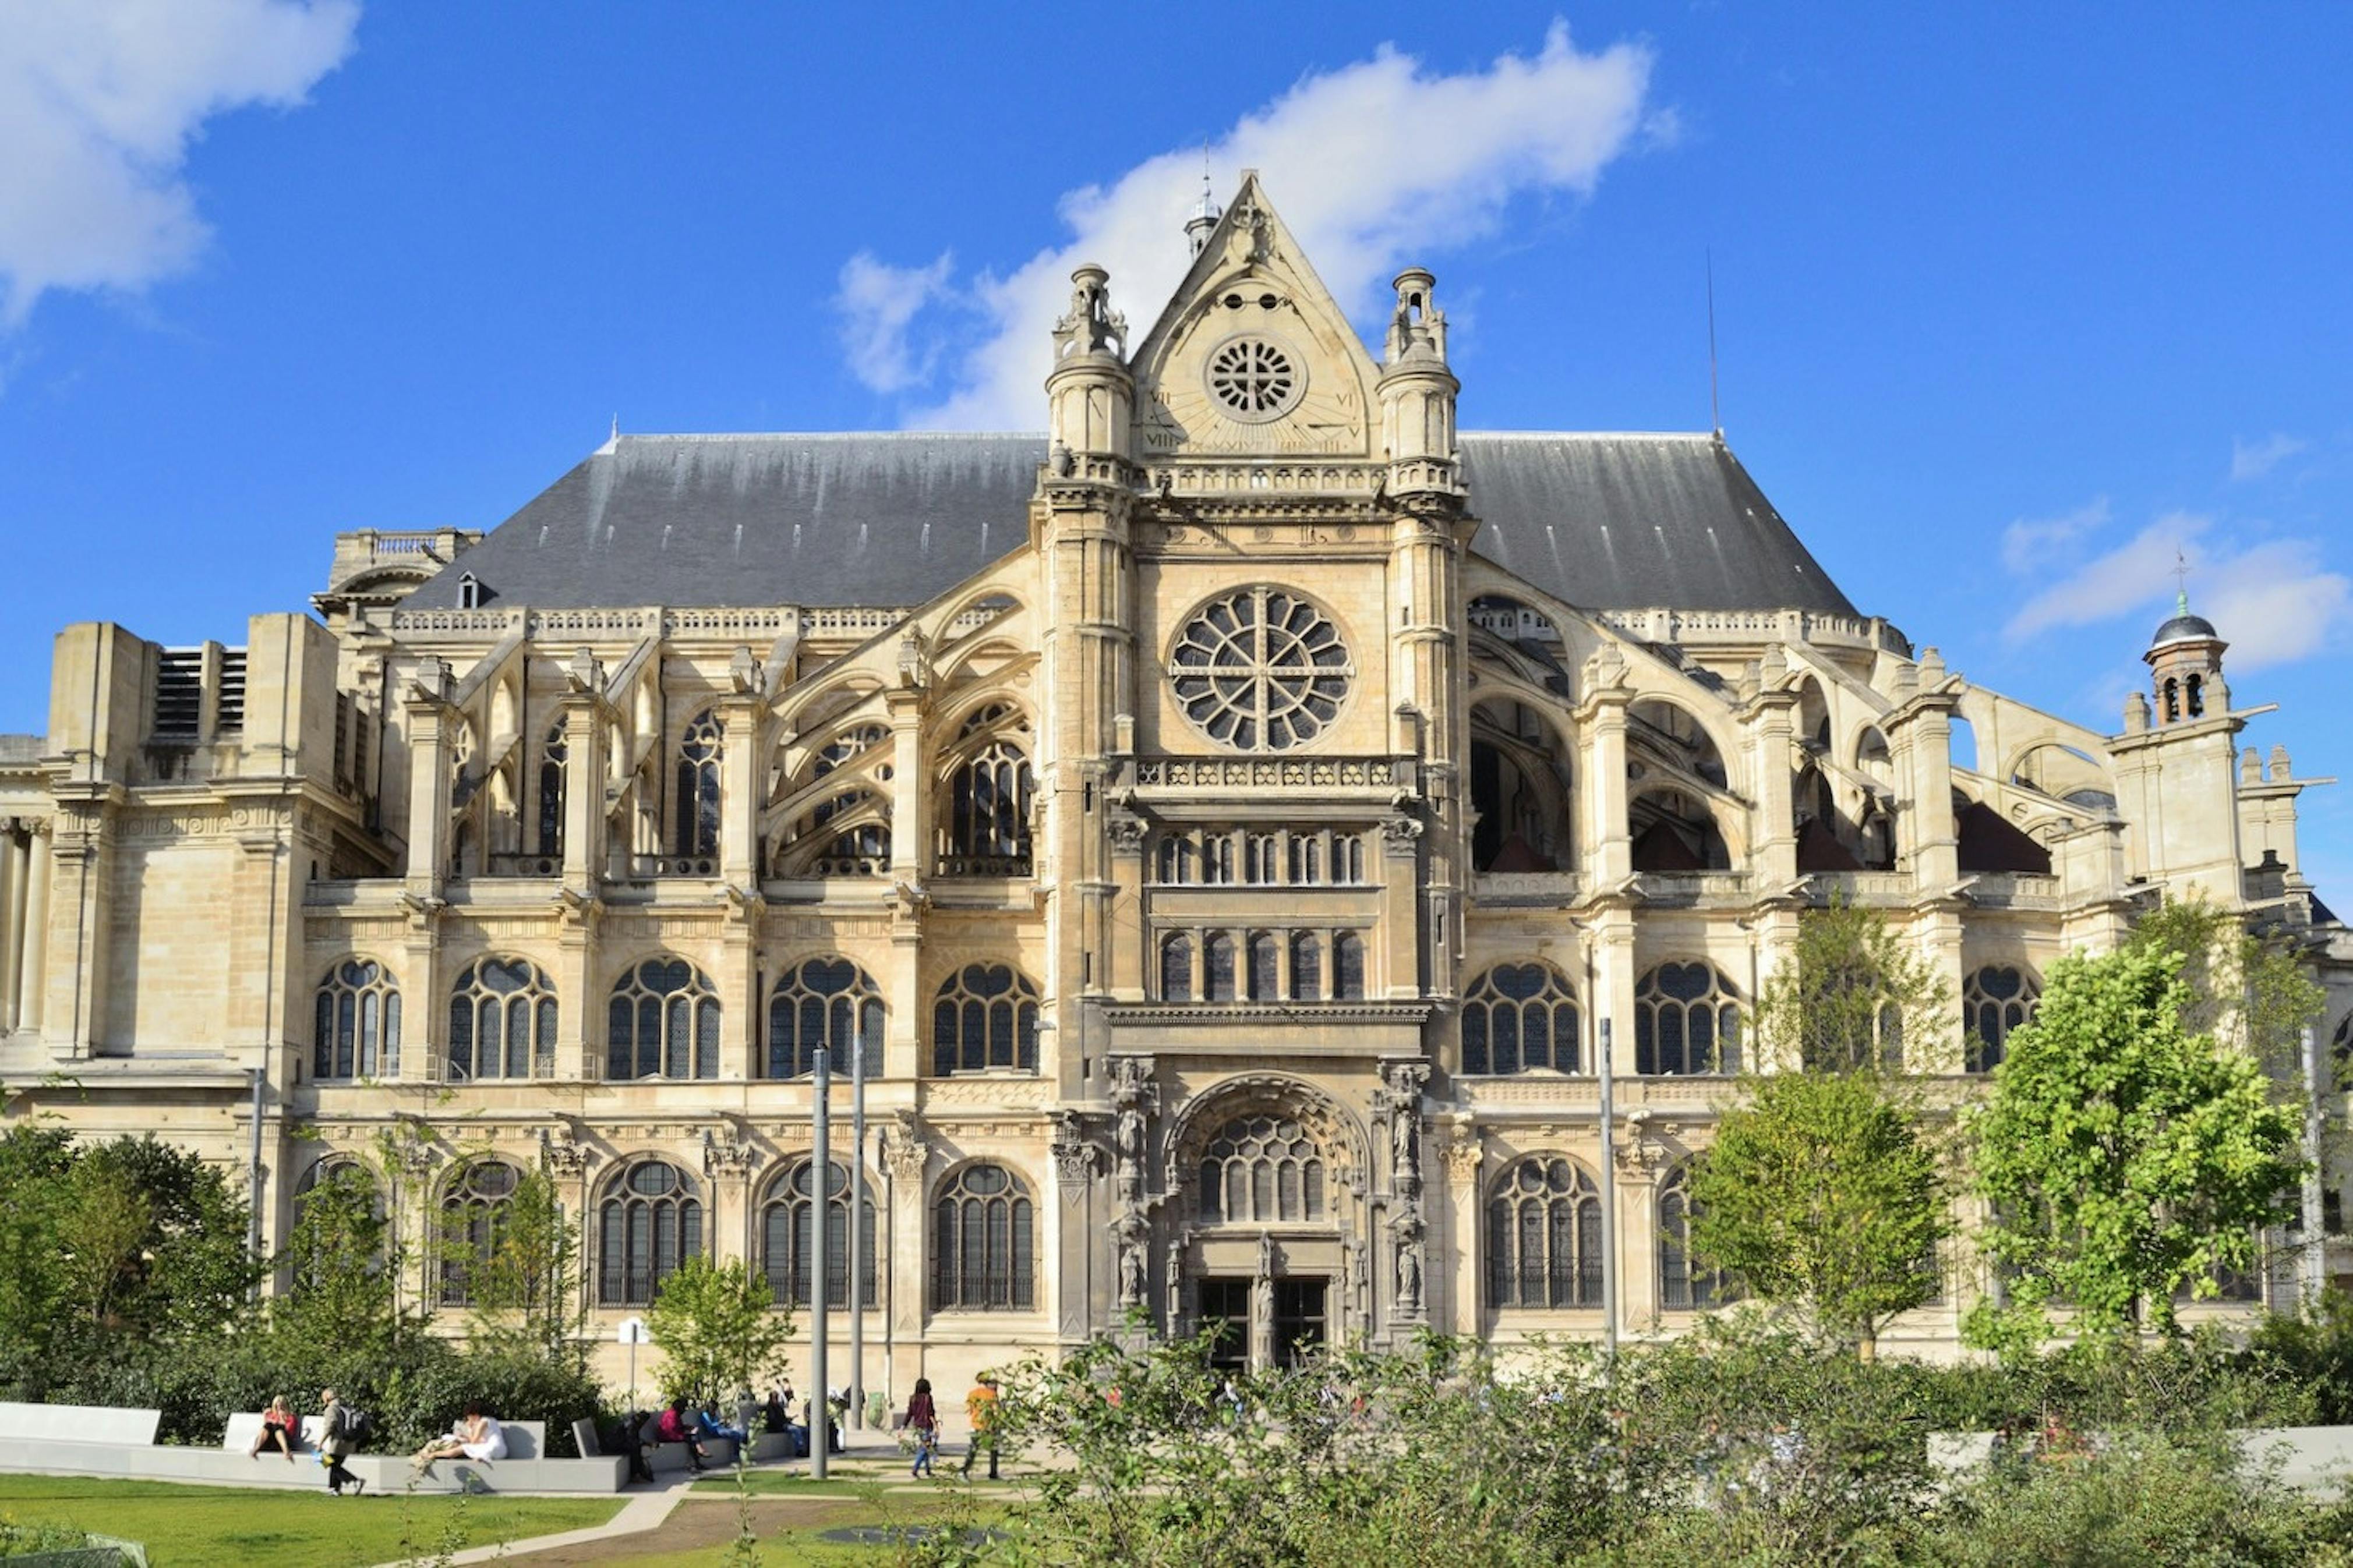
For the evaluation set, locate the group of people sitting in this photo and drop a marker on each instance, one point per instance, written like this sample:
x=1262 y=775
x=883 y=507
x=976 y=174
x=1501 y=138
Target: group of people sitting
x=340 y=1431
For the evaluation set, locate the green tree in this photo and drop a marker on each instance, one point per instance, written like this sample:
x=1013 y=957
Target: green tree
x=1821 y=1192
x=1823 y=1187
x=343 y=1260
x=34 y=1158
x=524 y=1292
x=2246 y=988
x=2122 y=1156
x=719 y=1329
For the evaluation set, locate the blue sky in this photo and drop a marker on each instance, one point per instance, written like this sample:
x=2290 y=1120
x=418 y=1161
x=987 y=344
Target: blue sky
x=2011 y=304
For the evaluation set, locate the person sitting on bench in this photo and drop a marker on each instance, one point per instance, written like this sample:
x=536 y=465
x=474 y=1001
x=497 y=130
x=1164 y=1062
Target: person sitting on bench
x=279 y=1426
x=475 y=1436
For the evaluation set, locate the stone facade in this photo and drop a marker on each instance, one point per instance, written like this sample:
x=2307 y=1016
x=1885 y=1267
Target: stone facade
x=1235 y=876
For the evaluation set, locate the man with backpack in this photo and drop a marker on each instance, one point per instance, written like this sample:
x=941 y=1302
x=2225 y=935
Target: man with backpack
x=345 y=1430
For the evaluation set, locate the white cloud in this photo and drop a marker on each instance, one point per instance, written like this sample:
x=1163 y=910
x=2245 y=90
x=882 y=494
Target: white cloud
x=99 y=100
x=2273 y=601
x=876 y=303
x=2031 y=544
x=2253 y=460
x=1370 y=164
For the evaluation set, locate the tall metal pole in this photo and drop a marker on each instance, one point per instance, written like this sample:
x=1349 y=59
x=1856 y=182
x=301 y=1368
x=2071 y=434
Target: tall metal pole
x=1609 y=1205
x=821 y=1159
x=857 y=1217
x=2312 y=1267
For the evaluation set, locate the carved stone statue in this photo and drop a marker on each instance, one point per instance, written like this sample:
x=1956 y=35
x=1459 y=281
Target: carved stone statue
x=1408 y=1273
x=1131 y=1274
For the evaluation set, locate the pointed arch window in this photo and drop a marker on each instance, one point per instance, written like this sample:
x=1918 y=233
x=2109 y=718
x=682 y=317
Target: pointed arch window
x=1685 y=1021
x=1518 y=1018
x=789 y=1233
x=823 y=1002
x=1683 y=1285
x=1177 y=967
x=650 y=1222
x=502 y=1019
x=1262 y=1169
x=985 y=1016
x=663 y=1023
x=989 y=793
x=551 y=785
x=984 y=1242
x=696 y=833
x=1544 y=1235
x=1998 y=997
x=357 y=1023
x=473 y=1224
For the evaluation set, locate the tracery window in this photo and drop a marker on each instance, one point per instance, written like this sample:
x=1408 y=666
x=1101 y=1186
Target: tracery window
x=473 y=1222
x=663 y=1023
x=357 y=1027
x=1177 y=967
x=1683 y=1285
x=697 y=801
x=339 y=1176
x=1260 y=671
x=788 y=1238
x=651 y=1221
x=1544 y=1235
x=867 y=846
x=823 y=1002
x=983 y=1240
x=1996 y=999
x=551 y=759
x=985 y=1016
x=989 y=798
x=1685 y=1021
x=1520 y=1016
x=501 y=1021
x=1262 y=1169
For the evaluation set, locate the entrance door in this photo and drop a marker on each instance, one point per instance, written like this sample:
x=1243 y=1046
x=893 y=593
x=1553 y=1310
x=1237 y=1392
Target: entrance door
x=1299 y=1319
x=1225 y=1306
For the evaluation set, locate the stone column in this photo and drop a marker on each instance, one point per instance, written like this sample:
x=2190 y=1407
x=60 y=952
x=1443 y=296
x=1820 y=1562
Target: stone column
x=1466 y=1154
x=908 y=1154
x=13 y=868
x=1607 y=849
x=580 y=1004
x=33 y=975
x=81 y=917
x=903 y=1001
x=429 y=781
x=1071 y=1244
x=1773 y=835
x=585 y=739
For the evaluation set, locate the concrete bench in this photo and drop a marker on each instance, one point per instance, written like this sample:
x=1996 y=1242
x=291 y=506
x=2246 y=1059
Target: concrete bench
x=2309 y=1459
x=81 y=1423
x=524 y=1471
x=718 y=1454
x=246 y=1426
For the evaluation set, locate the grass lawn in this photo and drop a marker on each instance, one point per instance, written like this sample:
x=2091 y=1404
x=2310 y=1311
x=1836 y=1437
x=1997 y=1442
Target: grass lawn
x=701 y=1533
x=215 y=1527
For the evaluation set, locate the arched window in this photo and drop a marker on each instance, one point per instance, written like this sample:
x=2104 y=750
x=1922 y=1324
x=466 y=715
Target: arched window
x=1265 y=967
x=651 y=1221
x=2172 y=699
x=1217 y=859
x=812 y=1006
x=982 y=1239
x=358 y=1023
x=316 y=1255
x=1175 y=859
x=552 y=758
x=985 y=1016
x=2194 y=690
x=1262 y=1169
x=988 y=800
x=1544 y=1235
x=473 y=1219
x=1306 y=859
x=1348 y=859
x=2340 y=1050
x=501 y=1021
x=1262 y=860
x=1685 y=1021
x=1348 y=967
x=664 y=1023
x=1998 y=998
x=1177 y=967
x=1517 y=1017
x=1681 y=1286
x=1218 y=967
x=697 y=801
x=1306 y=968
x=788 y=1232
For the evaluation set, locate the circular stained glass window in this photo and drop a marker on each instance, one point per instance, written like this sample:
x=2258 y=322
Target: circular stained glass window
x=1255 y=379
x=1260 y=671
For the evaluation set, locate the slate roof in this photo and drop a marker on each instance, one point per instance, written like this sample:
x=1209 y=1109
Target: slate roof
x=1600 y=521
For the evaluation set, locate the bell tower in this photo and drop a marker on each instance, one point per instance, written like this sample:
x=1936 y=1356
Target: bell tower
x=2177 y=766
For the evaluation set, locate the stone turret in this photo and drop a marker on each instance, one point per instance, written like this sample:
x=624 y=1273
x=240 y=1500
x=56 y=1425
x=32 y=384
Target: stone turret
x=1091 y=391
x=1417 y=391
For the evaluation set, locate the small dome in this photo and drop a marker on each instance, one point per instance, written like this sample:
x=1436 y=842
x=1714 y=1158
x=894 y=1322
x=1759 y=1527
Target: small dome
x=2183 y=627
x=1207 y=210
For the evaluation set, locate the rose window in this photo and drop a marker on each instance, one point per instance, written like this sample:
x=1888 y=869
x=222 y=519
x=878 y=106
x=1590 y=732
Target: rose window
x=1260 y=671
x=1254 y=379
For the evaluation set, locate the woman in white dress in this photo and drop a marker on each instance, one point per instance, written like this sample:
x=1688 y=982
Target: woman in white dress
x=475 y=1436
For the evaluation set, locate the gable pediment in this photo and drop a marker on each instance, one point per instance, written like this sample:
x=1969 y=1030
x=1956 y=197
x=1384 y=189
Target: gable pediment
x=1253 y=357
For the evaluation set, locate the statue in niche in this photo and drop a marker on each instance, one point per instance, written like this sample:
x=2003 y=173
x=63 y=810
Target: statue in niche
x=1131 y=1274
x=1408 y=1271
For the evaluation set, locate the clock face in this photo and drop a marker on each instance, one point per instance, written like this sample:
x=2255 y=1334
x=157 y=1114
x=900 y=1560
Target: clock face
x=1260 y=669
x=1255 y=379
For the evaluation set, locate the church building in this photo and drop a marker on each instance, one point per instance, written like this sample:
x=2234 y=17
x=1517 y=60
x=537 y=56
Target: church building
x=1233 y=824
